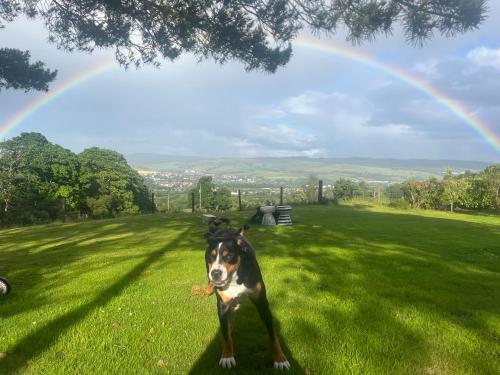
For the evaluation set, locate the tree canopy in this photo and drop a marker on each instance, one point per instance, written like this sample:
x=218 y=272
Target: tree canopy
x=17 y=72
x=256 y=32
x=41 y=181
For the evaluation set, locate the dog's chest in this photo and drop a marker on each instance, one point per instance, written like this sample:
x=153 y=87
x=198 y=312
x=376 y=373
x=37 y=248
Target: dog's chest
x=234 y=290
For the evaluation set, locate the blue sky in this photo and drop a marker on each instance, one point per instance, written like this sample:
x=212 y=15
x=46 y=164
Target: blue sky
x=318 y=105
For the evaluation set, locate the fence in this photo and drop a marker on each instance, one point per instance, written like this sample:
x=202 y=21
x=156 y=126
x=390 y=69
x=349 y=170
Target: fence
x=248 y=198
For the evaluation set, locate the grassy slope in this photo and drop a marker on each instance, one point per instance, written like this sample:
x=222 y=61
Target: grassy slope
x=354 y=290
x=291 y=170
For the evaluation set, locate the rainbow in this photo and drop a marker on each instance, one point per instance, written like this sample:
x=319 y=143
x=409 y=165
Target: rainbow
x=53 y=94
x=453 y=106
x=326 y=47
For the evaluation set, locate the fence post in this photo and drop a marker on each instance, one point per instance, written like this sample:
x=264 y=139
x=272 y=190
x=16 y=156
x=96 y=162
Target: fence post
x=320 y=191
x=153 y=203
x=192 y=202
x=239 y=199
x=281 y=195
x=64 y=209
x=168 y=202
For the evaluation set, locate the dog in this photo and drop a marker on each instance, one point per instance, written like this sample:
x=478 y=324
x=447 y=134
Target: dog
x=233 y=271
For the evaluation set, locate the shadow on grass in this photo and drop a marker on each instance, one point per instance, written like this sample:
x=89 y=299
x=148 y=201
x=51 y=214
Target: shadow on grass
x=387 y=275
x=44 y=337
x=52 y=255
x=251 y=345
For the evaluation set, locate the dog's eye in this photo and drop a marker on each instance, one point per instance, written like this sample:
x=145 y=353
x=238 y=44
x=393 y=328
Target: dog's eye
x=228 y=258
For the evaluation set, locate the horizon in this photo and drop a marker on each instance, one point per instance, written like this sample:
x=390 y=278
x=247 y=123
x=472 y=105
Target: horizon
x=304 y=157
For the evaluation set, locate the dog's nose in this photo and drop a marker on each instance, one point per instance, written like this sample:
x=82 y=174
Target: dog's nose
x=216 y=274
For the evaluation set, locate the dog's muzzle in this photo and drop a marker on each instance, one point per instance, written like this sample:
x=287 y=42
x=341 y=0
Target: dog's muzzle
x=219 y=276
x=216 y=275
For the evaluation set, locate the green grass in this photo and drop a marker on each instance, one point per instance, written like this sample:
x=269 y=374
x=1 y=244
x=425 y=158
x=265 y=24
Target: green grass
x=355 y=290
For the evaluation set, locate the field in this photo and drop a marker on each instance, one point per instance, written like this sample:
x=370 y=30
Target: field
x=354 y=290
x=290 y=171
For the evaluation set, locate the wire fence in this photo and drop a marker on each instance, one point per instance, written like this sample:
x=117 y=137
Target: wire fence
x=249 y=198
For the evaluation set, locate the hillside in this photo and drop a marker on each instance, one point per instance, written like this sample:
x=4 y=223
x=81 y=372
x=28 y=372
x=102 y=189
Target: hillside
x=295 y=169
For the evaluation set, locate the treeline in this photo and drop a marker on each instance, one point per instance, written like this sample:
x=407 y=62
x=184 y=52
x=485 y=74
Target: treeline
x=469 y=190
x=41 y=182
x=475 y=191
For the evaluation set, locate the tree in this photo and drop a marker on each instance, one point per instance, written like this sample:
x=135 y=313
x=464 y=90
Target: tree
x=454 y=189
x=492 y=178
x=38 y=178
x=222 y=199
x=255 y=32
x=203 y=193
x=109 y=185
x=311 y=189
x=344 y=189
x=411 y=192
x=212 y=198
x=16 y=71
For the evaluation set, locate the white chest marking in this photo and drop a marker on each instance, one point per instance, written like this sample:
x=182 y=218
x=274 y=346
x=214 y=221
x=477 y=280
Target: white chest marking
x=233 y=289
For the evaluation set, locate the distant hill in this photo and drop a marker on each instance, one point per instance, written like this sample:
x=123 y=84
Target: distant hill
x=297 y=169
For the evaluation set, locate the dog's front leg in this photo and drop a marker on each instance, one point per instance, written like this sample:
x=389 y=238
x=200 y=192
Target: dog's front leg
x=259 y=299
x=209 y=290
x=227 y=359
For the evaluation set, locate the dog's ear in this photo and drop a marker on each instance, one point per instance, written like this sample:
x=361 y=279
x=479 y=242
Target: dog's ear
x=215 y=223
x=213 y=226
x=243 y=229
x=241 y=241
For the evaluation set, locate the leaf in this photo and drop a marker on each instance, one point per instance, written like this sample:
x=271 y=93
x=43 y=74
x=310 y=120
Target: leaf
x=195 y=290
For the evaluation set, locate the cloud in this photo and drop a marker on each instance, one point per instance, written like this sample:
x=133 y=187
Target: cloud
x=304 y=104
x=428 y=68
x=484 y=56
x=282 y=134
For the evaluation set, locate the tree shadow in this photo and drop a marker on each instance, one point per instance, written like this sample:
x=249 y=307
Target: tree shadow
x=251 y=346
x=378 y=270
x=44 y=337
x=51 y=255
x=28 y=266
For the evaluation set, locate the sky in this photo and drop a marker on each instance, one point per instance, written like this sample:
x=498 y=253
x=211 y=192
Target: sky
x=318 y=105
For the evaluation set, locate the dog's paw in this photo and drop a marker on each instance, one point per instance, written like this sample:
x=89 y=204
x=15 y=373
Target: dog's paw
x=285 y=365
x=227 y=362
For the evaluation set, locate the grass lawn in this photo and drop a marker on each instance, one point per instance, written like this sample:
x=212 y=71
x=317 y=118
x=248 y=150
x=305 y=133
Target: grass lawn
x=354 y=290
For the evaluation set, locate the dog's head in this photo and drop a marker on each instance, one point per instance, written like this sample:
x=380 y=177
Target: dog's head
x=224 y=251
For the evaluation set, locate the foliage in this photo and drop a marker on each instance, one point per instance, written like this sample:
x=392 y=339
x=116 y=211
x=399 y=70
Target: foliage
x=311 y=189
x=454 y=189
x=423 y=194
x=110 y=184
x=344 y=189
x=222 y=199
x=203 y=191
x=211 y=198
x=468 y=190
x=16 y=71
x=41 y=181
x=257 y=33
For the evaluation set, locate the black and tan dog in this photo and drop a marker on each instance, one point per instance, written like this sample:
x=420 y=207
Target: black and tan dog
x=233 y=272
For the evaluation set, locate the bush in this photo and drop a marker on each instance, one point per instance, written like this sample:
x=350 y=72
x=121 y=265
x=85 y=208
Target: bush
x=399 y=203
